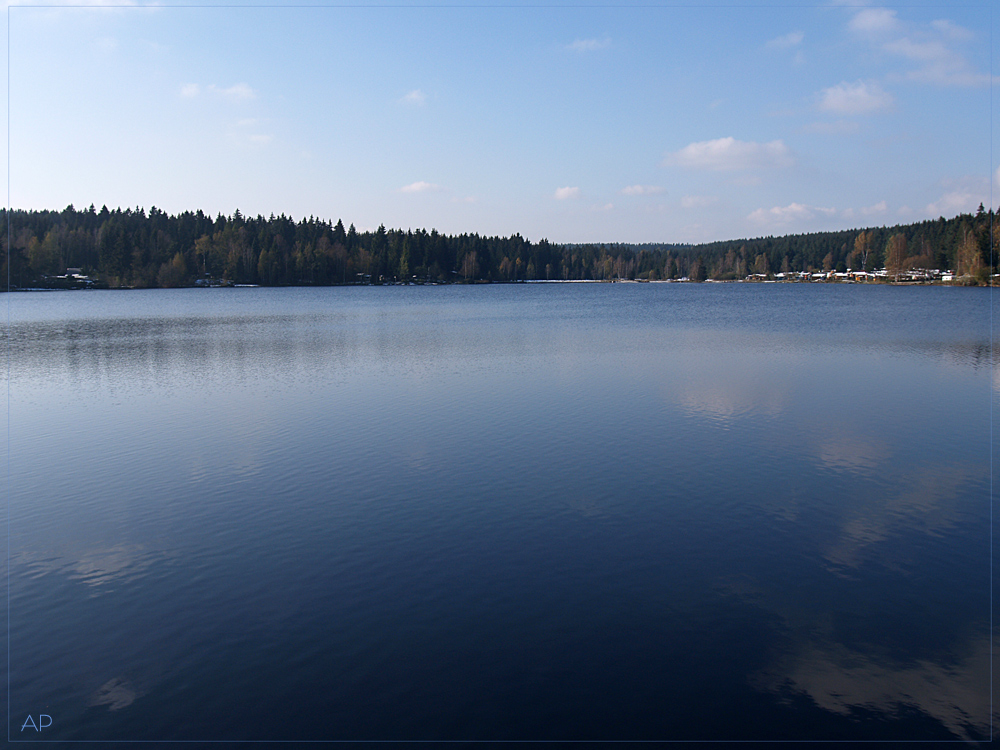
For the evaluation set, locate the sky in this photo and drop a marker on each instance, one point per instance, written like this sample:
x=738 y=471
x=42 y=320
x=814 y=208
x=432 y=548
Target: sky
x=569 y=122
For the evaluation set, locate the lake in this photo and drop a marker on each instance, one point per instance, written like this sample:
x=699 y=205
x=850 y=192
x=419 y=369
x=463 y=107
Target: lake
x=501 y=512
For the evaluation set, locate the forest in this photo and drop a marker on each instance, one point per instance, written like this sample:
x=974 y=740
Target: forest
x=133 y=248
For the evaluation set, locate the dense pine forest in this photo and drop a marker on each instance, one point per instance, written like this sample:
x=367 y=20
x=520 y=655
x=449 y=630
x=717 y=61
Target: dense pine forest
x=135 y=249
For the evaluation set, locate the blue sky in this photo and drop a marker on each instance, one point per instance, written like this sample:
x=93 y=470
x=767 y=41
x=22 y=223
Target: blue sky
x=574 y=123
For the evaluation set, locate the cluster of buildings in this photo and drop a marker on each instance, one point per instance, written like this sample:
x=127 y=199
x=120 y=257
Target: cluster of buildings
x=74 y=278
x=913 y=275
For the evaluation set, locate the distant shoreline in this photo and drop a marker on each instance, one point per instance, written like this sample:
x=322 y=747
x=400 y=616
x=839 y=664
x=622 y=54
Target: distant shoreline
x=954 y=282
x=128 y=248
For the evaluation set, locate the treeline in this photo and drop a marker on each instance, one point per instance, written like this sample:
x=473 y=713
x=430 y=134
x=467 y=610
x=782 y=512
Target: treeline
x=133 y=248
x=966 y=244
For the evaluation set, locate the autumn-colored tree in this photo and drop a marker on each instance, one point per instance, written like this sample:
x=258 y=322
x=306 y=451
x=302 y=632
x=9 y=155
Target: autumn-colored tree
x=862 y=248
x=506 y=267
x=469 y=265
x=895 y=254
x=697 y=270
x=967 y=259
x=172 y=273
x=761 y=265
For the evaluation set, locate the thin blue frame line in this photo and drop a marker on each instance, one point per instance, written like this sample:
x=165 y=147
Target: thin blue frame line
x=7 y=357
x=471 y=6
x=485 y=742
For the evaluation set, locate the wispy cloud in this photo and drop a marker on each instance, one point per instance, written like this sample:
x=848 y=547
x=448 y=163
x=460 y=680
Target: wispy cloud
x=238 y=92
x=878 y=208
x=952 y=30
x=565 y=193
x=960 y=195
x=605 y=207
x=939 y=65
x=792 y=39
x=466 y=199
x=790 y=214
x=955 y=202
x=416 y=97
x=727 y=154
x=643 y=190
x=858 y=98
x=242 y=139
x=190 y=90
x=589 y=45
x=934 y=48
x=698 y=201
x=874 y=21
x=837 y=127
x=420 y=187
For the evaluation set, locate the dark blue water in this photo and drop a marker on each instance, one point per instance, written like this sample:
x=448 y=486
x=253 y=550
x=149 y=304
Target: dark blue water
x=578 y=511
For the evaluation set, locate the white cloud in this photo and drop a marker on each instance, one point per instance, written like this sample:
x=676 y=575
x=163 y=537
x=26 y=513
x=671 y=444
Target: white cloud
x=243 y=139
x=466 y=199
x=563 y=193
x=643 y=190
x=860 y=97
x=783 y=215
x=727 y=154
x=190 y=90
x=838 y=127
x=420 y=187
x=930 y=46
x=589 y=45
x=953 y=203
x=996 y=177
x=952 y=30
x=237 y=92
x=792 y=39
x=878 y=208
x=416 y=97
x=939 y=65
x=874 y=21
x=698 y=201
x=605 y=207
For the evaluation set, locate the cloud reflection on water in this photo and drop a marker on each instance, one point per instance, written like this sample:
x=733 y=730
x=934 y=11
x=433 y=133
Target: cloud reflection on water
x=101 y=568
x=953 y=689
x=117 y=693
x=724 y=400
x=855 y=454
x=924 y=501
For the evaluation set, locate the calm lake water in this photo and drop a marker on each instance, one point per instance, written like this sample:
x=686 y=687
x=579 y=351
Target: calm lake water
x=576 y=511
